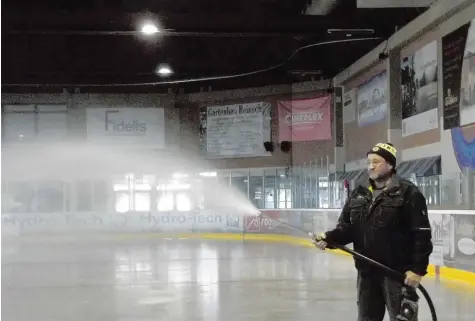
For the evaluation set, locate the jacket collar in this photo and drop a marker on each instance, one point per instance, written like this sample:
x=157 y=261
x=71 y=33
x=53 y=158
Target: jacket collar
x=394 y=183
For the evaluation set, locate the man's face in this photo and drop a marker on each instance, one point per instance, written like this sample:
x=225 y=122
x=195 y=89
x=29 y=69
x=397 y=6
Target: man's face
x=377 y=166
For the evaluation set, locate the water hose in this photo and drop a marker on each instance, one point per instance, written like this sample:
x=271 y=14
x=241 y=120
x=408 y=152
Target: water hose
x=398 y=276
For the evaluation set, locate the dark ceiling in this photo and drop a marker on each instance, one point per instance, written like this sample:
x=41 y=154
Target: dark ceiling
x=96 y=41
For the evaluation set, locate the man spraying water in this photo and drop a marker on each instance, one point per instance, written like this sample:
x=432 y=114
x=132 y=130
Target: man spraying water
x=386 y=220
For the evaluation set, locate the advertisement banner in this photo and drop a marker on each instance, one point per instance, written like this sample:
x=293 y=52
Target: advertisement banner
x=267 y=223
x=453 y=49
x=349 y=106
x=195 y=221
x=131 y=127
x=448 y=245
x=372 y=100
x=419 y=91
x=238 y=130
x=305 y=119
x=436 y=223
x=460 y=253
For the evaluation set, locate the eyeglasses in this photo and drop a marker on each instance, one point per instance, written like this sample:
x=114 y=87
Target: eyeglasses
x=374 y=163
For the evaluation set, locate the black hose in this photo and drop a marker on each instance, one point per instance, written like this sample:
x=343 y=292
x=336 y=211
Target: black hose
x=391 y=273
x=398 y=276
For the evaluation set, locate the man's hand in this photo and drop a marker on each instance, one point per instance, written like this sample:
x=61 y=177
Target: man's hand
x=412 y=279
x=319 y=241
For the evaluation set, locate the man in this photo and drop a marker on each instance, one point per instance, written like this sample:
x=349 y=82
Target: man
x=386 y=220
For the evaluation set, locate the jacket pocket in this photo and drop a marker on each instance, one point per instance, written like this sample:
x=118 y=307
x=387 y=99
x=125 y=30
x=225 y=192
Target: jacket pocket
x=357 y=207
x=390 y=213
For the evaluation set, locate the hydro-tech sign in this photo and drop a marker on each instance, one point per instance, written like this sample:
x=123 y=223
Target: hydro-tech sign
x=140 y=127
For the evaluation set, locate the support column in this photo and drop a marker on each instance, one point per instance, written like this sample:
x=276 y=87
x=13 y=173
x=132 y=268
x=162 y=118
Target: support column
x=337 y=129
x=394 y=102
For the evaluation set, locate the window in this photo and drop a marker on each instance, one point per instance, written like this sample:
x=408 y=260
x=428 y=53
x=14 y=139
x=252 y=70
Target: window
x=28 y=123
x=270 y=191
x=35 y=197
x=285 y=198
x=323 y=192
x=256 y=182
x=240 y=182
x=284 y=189
x=19 y=123
x=84 y=196
x=183 y=202
x=174 y=195
x=166 y=201
x=132 y=193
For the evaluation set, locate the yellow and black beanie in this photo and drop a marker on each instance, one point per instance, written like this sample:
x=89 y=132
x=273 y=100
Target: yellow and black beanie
x=386 y=151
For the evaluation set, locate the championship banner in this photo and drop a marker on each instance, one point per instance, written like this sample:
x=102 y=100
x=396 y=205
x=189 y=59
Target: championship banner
x=131 y=127
x=305 y=119
x=233 y=131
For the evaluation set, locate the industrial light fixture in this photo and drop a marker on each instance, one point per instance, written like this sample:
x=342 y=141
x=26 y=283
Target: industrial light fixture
x=164 y=70
x=149 y=29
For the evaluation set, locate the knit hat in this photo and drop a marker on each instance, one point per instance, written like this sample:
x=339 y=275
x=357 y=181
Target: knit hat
x=386 y=151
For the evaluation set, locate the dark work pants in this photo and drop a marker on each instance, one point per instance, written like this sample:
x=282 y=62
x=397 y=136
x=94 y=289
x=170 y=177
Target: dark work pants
x=376 y=294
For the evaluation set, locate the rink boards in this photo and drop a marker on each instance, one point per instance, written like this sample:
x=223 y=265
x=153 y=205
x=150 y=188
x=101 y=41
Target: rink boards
x=453 y=231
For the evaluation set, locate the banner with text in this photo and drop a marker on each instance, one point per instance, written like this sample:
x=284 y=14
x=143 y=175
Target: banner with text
x=128 y=127
x=195 y=221
x=305 y=119
x=459 y=242
x=238 y=130
x=419 y=91
x=372 y=100
x=458 y=48
x=453 y=235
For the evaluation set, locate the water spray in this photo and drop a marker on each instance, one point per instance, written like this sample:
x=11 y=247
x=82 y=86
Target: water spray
x=409 y=304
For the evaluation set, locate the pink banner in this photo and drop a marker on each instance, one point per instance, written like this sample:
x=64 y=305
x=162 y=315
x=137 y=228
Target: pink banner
x=305 y=119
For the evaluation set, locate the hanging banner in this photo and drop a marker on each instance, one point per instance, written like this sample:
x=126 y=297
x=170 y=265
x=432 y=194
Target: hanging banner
x=458 y=48
x=239 y=130
x=463 y=143
x=131 y=127
x=349 y=106
x=305 y=119
x=419 y=91
x=467 y=99
x=372 y=100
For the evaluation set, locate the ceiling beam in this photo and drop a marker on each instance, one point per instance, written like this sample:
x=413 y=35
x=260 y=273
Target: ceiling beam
x=113 y=21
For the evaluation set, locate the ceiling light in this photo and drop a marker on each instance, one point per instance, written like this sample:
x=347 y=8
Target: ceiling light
x=164 y=71
x=149 y=29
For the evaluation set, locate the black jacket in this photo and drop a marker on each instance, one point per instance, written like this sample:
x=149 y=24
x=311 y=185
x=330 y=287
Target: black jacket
x=393 y=229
